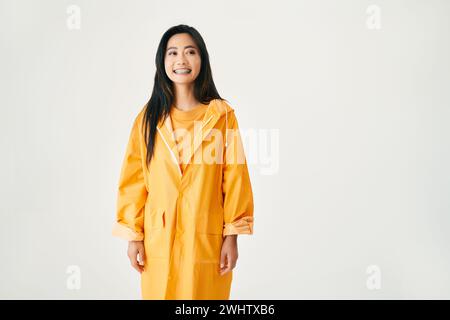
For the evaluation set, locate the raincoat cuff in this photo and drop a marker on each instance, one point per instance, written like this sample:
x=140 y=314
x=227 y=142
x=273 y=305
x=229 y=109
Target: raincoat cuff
x=123 y=232
x=241 y=226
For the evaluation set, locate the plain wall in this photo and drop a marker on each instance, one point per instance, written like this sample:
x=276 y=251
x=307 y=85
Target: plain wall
x=352 y=94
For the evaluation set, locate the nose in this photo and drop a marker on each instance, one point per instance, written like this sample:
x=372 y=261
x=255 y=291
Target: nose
x=181 y=60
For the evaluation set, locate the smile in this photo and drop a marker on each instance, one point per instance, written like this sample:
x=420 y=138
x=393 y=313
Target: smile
x=182 y=71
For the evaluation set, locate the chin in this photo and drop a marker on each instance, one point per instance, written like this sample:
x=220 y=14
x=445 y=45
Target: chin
x=187 y=81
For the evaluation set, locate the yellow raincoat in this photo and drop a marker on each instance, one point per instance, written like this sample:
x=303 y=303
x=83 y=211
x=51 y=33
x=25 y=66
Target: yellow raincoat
x=183 y=216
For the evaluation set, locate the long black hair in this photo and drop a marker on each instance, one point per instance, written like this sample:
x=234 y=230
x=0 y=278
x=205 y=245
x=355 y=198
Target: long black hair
x=158 y=107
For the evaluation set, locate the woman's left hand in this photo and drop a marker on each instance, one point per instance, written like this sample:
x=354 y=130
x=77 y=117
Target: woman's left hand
x=228 y=254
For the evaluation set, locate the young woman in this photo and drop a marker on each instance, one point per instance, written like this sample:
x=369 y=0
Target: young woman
x=184 y=191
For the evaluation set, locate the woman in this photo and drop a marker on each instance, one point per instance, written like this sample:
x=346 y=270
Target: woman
x=184 y=190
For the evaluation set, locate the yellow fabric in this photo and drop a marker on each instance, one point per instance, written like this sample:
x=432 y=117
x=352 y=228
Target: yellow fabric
x=183 y=126
x=182 y=213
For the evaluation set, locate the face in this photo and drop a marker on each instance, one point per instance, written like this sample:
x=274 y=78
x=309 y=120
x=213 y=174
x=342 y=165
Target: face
x=182 y=59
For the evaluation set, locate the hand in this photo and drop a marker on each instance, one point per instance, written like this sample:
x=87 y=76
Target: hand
x=135 y=250
x=228 y=254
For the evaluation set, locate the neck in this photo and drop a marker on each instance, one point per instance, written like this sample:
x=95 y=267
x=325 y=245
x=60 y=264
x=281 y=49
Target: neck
x=184 y=97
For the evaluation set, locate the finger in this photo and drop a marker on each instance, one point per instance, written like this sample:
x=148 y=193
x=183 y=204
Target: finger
x=232 y=264
x=223 y=264
x=141 y=256
x=137 y=266
x=134 y=262
x=225 y=270
x=223 y=260
x=225 y=267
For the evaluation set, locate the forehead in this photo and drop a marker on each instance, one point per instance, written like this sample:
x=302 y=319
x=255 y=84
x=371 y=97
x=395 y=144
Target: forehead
x=180 y=41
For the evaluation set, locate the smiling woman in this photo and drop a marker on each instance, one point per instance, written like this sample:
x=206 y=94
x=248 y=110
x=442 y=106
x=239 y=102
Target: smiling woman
x=182 y=219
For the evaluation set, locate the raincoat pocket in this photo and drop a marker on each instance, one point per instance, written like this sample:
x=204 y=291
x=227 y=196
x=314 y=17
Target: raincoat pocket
x=155 y=219
x=155 y=236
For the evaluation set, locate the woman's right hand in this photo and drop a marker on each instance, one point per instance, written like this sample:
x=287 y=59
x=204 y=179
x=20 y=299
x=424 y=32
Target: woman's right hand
x=135 y=250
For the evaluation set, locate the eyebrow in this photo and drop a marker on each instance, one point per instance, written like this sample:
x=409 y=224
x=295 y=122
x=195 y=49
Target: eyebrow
x=189 y=46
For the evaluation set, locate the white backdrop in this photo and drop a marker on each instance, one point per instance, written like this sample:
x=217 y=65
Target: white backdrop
x=351 y=195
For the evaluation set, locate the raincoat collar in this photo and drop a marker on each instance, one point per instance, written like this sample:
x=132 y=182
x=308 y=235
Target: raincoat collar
x=216 y=109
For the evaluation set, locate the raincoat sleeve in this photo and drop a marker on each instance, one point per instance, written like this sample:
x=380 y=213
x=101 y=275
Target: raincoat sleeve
x=132 y=191
x=236 y=186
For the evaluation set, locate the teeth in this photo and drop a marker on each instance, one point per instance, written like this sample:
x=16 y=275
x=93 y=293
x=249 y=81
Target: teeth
x=182 y=71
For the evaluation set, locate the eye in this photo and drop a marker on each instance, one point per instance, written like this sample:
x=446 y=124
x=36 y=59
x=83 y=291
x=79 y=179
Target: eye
x=172 y=52
x=191 y=52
